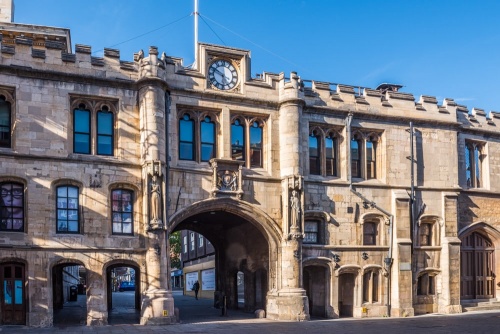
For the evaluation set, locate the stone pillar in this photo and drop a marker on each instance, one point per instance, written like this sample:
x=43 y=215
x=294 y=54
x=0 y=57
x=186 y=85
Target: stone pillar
x=401 y=271
x=289 y=301
x=449 y=299
x=157 y=307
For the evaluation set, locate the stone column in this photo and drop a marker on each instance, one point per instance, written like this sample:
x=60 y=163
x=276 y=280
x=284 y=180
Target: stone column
x=401 y=271
x=157 y=307
x=449 y=299
x=290 y=301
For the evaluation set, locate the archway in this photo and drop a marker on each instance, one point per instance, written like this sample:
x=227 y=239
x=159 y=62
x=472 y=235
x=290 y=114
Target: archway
x=13 y=293
x=123 y=293
x=69 y=298
x=477 y=259
x=346 y=294
x=244 y=239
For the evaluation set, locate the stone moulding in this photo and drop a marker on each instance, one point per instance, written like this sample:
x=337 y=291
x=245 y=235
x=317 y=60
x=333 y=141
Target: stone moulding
x=226 y=178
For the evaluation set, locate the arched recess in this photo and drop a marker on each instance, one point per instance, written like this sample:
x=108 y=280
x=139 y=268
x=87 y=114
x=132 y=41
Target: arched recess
x=348 y=281
x=107 y=269
x=245 y=239
x=317 y=281
x=478 y=267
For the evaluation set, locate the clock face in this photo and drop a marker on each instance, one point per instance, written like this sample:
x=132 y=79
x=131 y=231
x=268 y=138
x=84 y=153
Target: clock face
x=222 y=74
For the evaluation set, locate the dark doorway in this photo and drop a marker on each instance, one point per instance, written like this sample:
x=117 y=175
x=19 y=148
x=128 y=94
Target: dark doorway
x=13 y=294
x=346 y=294
x=124 y=297
x=240 y=284
x=477 y=258
x=69 y=294
x=315 y=286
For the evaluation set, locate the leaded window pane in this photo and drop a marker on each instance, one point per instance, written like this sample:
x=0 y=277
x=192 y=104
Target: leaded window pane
x=237 y=141
x=12 y=207
x=331 y=163
x=81 y=131
x=5 y=123
x=355 y=158
x=67 y=210
x=122 y=211
x=314 y=155
x=255 y=145
x=207 y=139
x=105 y=133
x=311 y=230
x=186 y=138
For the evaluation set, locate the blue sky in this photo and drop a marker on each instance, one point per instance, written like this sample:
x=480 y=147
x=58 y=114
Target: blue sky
x=447 y=48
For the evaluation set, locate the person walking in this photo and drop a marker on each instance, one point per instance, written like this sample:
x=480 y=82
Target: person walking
x=196 y=288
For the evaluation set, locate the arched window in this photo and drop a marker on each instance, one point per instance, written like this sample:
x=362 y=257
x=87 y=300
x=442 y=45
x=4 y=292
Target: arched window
x=122 y=214
x=256 y=144
x=356 y=157
x=5 y=122
x=371 y=154
x=12 y=207
x=186 y=138
x=81 y=130
x=207 y=129
x=314 y=154
x=331 y=155
x=473 y=164
x=237 y=140
x=105 y=125
x=67 y=207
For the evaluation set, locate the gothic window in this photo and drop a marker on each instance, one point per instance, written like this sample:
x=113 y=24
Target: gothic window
x=67 y=209
x=193 y=241
x=314 y=154
x=247 y=141
x=311 y=231
x=323 y=152
x=5 y=122
x=186 y=138
x=207 y=134
x=105 y=131
x=93 y=127
x=370 y=232
x=81 y=130
x=355 y=157
x=473 y=164
x=12 y=207
x=331 y=155
x=256 y=144
x=371 y=286
x=237 y=140
x=364 y=155
x=185 y=242
x=122 y=211
x=426 y=285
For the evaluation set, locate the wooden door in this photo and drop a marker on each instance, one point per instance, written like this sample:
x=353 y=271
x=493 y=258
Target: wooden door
x=13 y=294
x=477 y=267
x=346 y=294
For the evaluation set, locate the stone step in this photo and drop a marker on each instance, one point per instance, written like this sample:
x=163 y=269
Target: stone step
x=481 y=308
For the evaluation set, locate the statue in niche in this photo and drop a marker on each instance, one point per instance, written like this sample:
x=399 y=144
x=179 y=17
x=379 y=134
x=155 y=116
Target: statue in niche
x=155 y=202
x=295 y=210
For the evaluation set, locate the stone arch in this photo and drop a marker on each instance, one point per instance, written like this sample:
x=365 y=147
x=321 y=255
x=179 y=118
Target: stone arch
x=245 y=210
x=317 y=281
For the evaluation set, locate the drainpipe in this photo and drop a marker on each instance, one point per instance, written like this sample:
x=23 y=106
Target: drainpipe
x=388 y=259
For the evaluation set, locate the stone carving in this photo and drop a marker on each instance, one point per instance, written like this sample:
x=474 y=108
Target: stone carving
x=295 y=212
x=155 y=200
x=155 y=196
x=227 y=180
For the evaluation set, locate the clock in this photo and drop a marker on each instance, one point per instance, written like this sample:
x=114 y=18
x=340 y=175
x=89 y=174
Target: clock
x=222 y=74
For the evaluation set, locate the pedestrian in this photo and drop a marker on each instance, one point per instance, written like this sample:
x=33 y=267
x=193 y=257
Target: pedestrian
x=196 y=288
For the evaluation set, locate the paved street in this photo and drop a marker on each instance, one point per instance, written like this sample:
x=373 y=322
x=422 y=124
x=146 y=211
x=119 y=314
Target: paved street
x=198 y=316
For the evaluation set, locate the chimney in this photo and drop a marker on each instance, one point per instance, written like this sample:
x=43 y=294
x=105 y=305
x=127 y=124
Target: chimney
x=7 y=11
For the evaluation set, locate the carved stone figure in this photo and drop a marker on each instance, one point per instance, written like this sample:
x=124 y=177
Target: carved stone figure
x=155 y=200
x=295 y=210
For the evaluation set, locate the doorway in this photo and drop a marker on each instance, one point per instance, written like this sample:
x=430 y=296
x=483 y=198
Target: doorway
x=346 y=294
x=477 y=259
x=316 y=290
x=13 y=301
x=123 y=294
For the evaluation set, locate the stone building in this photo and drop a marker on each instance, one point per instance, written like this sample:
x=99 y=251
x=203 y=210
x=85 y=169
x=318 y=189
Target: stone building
x=303 y=186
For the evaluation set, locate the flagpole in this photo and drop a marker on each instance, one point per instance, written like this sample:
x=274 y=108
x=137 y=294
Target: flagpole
x=195 y=64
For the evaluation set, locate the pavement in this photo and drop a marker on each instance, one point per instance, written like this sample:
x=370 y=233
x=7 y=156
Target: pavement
x=199 y=316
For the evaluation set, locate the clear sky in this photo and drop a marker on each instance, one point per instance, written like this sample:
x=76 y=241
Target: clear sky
x=442 y=48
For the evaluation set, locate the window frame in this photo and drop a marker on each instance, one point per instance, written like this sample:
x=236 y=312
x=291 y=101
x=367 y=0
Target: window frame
x=94 y=106
x=4 y=99
x=368 y=168
x=247 y=124
x=197 y=140
x=82 y=108
x=474 y=158
x=317 y=233
x=5 y=216
x=326 y=164
x=75 y=208
x=433 y=223
x=121 y=213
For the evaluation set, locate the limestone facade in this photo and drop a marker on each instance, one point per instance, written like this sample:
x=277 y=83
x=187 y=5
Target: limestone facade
x=313 y=202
